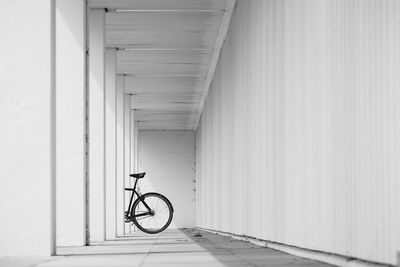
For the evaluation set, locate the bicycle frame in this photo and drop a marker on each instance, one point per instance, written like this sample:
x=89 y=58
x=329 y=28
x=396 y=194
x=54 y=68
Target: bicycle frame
x=128 y=212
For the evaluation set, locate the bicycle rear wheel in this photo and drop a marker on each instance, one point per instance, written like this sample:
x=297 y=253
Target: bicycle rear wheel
x=152 y=213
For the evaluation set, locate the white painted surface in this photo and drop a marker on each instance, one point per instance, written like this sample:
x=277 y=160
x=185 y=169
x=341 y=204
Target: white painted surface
x=120 y=153
x=166 y=48
x=298 y=141
x=159 y=4
x=96 y=133
x=111 y=143
x=168 y=158
x=134 y=158
x=219 y=42
x=26 y=147
x=127 y=153
x=70 y=142
x=135 y=146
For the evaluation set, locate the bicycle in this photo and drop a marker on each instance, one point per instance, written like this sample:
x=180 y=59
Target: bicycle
x=151 y=212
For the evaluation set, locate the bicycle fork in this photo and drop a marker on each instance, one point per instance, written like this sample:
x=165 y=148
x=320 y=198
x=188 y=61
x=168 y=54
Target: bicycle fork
x=128 y=215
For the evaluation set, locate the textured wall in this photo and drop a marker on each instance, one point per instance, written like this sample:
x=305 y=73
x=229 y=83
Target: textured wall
x=26 y=143
x=110 y=133
x=299 y=138
x=96 y=126
x=70 y=142
x=131 y=155
x=122 y=129
x=168 y=157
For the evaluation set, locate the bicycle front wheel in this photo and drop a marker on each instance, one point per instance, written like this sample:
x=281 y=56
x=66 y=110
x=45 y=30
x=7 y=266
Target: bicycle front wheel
x=152 y=213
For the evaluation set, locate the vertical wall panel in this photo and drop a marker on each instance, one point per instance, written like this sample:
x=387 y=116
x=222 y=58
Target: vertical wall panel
x=134 y=155
x=299 y=138
x=96 y=97
x=111 y=143
x=127 y=153
x=27 y=146
x=168 y=158
x=70 y=132
x=120 y=154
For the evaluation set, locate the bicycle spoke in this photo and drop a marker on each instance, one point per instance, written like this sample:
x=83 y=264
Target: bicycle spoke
x=143 y=217
x=156 y=204
x=159 y=218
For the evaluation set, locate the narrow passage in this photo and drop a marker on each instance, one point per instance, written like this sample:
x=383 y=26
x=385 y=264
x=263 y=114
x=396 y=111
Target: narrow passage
x=183 y=247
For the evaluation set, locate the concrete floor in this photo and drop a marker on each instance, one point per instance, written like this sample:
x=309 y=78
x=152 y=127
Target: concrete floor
x=185 y=247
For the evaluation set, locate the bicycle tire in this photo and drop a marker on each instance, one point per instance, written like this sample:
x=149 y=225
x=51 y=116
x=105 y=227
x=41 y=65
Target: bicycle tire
x=147 y=226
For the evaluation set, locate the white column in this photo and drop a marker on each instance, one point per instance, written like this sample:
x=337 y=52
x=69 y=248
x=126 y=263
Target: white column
x=111 y=144
x=27 y=108
x=96 y=99
x=120 y=154
x=137 y=148
x=135 y=138
x=133 y=141
x=127 y=150
x=133 y=149
x=70 y=143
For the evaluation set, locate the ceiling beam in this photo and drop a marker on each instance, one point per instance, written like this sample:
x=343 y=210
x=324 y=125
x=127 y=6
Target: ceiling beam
x=127 y=47
x=165 y=10
x=158 y=4
x=219 y=43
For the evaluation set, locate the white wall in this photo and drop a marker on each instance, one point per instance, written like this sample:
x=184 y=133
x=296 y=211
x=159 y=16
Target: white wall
x=127 y=153
x=168 y=158
x=120 y=152
x=111 y=142
x=299 y=139
x=70 y=133
x=96 y=125
x=131 y=155
x=27 y=106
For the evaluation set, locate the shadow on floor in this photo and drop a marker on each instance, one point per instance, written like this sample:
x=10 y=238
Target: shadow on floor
x=232 y=252
x=174 y=248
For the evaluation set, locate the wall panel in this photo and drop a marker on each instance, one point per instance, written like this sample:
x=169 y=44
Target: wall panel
x=127 y=153
x=70 y=132
x=168 y=158
x=96 y=126
x=111 y=145
x=27 y=138
x=298 y=140
x=134 y=156
x=120 y=153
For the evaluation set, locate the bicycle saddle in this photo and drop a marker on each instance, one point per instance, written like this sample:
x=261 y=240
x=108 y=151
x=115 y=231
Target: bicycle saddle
x=138 y=175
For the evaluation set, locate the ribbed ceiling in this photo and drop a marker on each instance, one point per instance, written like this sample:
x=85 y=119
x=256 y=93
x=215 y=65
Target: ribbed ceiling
x=166 y=49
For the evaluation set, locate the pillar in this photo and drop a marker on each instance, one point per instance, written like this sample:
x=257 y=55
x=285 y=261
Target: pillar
x=111 y=144
x=127 y=151
x=96 y=135
x=27 y=143
x=133 y=151
x=70 y=130
x=120 y=154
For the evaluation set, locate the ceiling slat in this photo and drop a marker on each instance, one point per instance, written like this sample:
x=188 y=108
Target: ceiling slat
x=163 y=56
x=164 y=50
x=159 y=4
x=180 y=69
x=163 y=84
x=193 y=40
x=163 y=21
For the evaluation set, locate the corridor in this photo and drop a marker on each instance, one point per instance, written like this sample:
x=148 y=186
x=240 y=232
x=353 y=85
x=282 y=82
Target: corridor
x=183 y=247
x=272 y=122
